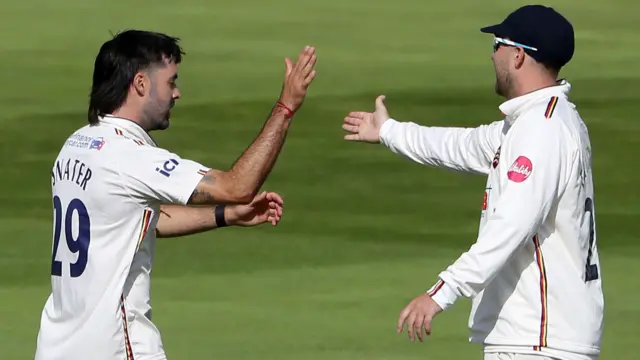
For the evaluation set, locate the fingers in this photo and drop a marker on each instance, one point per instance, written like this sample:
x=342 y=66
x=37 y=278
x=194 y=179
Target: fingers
x=271 y=196
x=351 y=128
x=273 y=216
x=288 y=66
x=308 y=67
x=353 y=120
x=352 y=137
x=260 y=197
x=416 y=317
x=275 y=208
x=420 y=319
x=380 y=101
x=403 y=318
x=358 y=115
x=309 y=78
x=303 y=57
x=275 y=203
x=305 y=62
x=427 y=325
x=411 y=325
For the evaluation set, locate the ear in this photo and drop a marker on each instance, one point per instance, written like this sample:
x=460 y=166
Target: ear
x=519 y=56
x=141 y=83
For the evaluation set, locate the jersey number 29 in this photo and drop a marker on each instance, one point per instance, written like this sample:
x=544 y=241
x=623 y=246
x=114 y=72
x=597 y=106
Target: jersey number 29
x=77 y=244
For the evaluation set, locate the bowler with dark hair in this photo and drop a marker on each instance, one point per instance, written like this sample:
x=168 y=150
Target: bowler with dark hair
x=114 y=192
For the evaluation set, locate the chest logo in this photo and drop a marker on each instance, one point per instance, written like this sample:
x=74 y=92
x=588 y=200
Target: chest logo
x=520 y=170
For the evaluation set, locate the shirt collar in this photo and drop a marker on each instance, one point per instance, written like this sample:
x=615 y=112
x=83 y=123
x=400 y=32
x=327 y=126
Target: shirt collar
x=129 y=127
x=516 y=106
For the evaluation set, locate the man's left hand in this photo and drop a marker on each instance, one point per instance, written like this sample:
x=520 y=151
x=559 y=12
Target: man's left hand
x=265 y=207
x=418 y=316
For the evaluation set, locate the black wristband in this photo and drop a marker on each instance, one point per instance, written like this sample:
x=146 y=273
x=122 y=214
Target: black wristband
x=219 y=213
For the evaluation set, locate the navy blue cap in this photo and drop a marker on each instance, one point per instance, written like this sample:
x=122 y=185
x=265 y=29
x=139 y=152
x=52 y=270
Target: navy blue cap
x=540 y=27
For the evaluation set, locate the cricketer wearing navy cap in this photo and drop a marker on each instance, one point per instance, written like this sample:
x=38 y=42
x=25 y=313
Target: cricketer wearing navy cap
x=538 y=31
x=533 y=273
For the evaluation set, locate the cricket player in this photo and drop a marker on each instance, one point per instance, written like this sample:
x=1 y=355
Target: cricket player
x=533 y=273
x=115 y=191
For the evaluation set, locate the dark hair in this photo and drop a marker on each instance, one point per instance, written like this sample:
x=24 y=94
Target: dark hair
x=117 y=63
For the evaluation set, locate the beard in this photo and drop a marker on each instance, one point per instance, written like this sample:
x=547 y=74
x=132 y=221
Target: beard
x=157 y=113
x=503 y=83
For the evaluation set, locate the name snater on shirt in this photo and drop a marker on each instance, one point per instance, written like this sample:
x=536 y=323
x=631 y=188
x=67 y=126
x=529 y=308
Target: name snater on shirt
x=71 y=170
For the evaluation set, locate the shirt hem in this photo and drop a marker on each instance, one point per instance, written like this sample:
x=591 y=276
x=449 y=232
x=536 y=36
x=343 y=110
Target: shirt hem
x=156 y=356
x=492 y=342
x=548 y=352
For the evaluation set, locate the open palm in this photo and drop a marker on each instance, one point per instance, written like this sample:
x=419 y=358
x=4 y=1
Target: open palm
x=365 y=126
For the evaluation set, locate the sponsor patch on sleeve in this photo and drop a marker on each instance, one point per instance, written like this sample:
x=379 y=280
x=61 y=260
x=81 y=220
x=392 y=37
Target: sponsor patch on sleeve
x=520 y=169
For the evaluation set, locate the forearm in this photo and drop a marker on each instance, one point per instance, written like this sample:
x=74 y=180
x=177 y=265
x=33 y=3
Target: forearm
x=240 y=184
x=513 y=221
x=459 y=149
x=254 y=165
x=176 y=220
x=474 y=269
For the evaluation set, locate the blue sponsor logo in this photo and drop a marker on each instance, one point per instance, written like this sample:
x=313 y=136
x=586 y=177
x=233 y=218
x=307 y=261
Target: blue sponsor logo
x=167 y=167
x=97 y=143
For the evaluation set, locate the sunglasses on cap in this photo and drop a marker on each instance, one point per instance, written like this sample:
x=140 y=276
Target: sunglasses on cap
x=500 y=41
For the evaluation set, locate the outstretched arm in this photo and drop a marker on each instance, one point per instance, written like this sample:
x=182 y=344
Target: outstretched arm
x=460 y=149
x=178 y=220
x=248 y=173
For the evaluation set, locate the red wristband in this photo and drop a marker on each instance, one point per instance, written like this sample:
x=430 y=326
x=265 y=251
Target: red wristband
x=290 y=112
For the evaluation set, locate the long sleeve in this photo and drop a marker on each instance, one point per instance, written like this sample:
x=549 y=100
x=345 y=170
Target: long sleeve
x=459 y=149
x=536 y=159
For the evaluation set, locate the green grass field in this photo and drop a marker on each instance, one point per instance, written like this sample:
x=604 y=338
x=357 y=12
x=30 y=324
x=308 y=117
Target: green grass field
x=364 y=230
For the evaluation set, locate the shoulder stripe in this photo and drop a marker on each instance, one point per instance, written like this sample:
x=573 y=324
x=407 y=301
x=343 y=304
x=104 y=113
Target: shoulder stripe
x=551 y=106
x=119 y=132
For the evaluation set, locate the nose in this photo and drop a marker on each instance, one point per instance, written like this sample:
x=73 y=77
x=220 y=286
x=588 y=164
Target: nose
x=176 y=94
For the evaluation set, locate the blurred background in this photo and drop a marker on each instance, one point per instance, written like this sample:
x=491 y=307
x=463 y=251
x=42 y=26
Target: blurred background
x=364 y=230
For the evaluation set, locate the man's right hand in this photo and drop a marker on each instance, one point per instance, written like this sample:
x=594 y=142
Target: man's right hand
x=365 y=126
x=297 y=78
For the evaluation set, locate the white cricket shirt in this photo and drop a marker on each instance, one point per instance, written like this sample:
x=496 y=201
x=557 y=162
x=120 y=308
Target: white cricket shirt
x=533 y=273
x=108 y=182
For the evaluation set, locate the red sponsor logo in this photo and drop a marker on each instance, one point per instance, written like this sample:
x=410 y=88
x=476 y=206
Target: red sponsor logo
x=484 y=201
x=520 y=170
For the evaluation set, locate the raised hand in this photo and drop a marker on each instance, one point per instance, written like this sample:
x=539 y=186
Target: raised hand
x=365 y=126
x=297 y=78
x=266 y=207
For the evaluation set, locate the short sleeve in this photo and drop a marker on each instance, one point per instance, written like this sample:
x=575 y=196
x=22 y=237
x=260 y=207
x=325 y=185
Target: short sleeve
x=154 y=174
